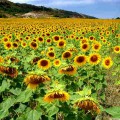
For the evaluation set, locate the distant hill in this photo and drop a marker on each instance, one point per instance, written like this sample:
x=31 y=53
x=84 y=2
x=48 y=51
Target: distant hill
x=10 y=9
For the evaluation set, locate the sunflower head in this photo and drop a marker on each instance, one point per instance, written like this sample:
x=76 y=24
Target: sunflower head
x=32 y=81
x=69 y=70
x=56 y=62
x=85 y=47
x=80 y=60
x=8 y=45
x=116 y=49
x=1 y=59
x=56 y=38
x=107 y=62
x=56 y=95
x=94 y=58
x=66 y=55
x=15 y=45
x=96 y=46
x=34 y=45
x=61 y=43
x=44 y=64
x=51 y=54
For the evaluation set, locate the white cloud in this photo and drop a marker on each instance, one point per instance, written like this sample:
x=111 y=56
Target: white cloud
x=20 y=1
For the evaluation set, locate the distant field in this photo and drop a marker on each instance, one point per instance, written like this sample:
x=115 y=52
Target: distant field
x=59 y=69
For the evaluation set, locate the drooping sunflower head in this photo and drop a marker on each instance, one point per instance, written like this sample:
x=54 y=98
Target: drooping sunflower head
x=44 y=64
x=32 y=81
x=66 y=55
x=61 y=43
x=51 y=54
x=34 y=45
x=56 y=95
x=107 y=62
x=94 y=58
x=116 y=49
x=88 y=104
x=85 y=47
x=80 y=60
x=69 y=70
x=8 y=45
x=57 y=62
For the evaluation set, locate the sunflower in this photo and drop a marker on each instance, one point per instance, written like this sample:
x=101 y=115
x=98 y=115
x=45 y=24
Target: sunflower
x=32 y=81
x=34 y=45
x=69 y=70
x=44 y=64
x=66 y=55
x=56 y=95
x=91 y=38
x=48 y=41
x=116 y=49
x=96 y=46
x=85 y=47
x=8 y=45
x=88 y=104
x=61 y=43
x=51 y=48
x=94 y=58
x=51 y=54
x=56 y=62
x=80 y=60
x=35 y=60
x=15 y=45
x=40 y=39
x=56 y=38
x=107 y=62
x=9 y=71
x=24 y=44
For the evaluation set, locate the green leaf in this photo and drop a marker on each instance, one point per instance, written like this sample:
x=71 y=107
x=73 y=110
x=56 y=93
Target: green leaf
x=16 y=91
x=3 y=114
x=114 y=111
x=34 y=115
x=5 y=85
x=24 y=96
x=52 y=110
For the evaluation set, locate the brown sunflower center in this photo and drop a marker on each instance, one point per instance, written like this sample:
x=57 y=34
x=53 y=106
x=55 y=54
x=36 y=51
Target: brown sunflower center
x=15 y=45
x=61 y=43
x=48 y=40
x=51 y=54
x=8 y=45
x=84 y=46
x=66 y=55
x=117 y=48
x=56 y=38
x=96 y=46
x=80 y=59
x=94 y=58
x=58 y=95
x=107 y=62
x=33 y=44
x=44 y=63
x=40 y=39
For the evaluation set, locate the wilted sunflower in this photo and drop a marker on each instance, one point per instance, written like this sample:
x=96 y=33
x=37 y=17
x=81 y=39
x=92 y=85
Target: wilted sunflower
x=56 y=62
x=94 y=58
x=88 y=104
x=34 y=45
x=56 y=95
x=51 y=54
x=116 y=49
x=32 y=81
x=96 y=46
x=66 y=55
x=107 y=62
x=69 y=70
x=8 y=45
x=44 y=64
x=61 y=43
x=9 y=71
x=80 y=60
x=85 y=47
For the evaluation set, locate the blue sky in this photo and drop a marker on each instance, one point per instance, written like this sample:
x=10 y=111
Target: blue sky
x=97 y=8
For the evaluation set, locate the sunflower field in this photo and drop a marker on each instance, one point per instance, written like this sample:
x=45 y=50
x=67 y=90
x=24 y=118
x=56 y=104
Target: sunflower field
x=58 y=69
